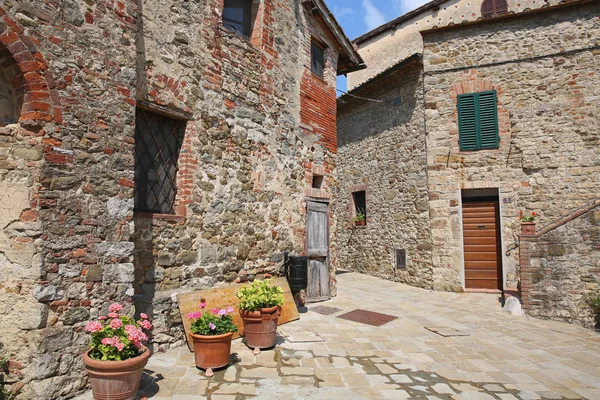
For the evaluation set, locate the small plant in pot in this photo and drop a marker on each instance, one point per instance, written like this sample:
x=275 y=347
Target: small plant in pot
x=212 y=332
x=260 y=307
x=117 y=355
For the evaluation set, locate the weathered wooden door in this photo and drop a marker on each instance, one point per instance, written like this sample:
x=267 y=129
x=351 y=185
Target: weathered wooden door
x=482 y=250
x=317 y=250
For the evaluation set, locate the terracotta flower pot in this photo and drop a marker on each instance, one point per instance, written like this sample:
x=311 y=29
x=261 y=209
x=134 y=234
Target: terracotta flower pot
x=260 y=327
x=212 y=351
x=360 y=223
x=528 y=228
x=116 y=380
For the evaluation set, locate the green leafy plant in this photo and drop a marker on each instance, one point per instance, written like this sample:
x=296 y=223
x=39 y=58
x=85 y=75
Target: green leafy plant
x=527 y=218
x=358 y=217
x=260 y=294
x=215 y=322
x=117 y=337
x=593 y=301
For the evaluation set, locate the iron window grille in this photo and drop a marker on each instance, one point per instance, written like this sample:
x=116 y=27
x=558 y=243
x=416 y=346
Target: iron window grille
x=400 y=258
x=158 y=141
x=237 y=15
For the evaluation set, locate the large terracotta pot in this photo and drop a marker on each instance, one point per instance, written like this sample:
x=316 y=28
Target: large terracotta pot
x=260 y=327
x=116 y=380
x=212 y=351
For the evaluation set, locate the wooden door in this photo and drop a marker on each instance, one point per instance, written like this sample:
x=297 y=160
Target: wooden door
x=482 y=250
x=317 y=250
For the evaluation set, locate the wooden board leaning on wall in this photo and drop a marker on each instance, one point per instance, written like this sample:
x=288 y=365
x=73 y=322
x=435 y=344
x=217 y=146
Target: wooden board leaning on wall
x=223 y=297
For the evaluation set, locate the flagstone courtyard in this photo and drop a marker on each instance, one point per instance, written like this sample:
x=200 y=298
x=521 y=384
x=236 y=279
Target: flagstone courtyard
x=486 y=353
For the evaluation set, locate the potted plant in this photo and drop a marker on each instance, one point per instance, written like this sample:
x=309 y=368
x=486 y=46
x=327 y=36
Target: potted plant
x=359 y=220
x=527 y=223
x=212 y=333
x=117 y=356
x=260 y=307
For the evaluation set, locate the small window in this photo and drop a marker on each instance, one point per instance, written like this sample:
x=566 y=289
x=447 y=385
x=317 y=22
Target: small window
x=317 y=60
x=478 y=121
x=360 y=207
x=317 y=182
x=236 y=17
x=493 y=8
x=158 y=141
x=400 y=259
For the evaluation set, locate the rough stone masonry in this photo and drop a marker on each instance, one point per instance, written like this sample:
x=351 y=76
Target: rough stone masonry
x=74 y=76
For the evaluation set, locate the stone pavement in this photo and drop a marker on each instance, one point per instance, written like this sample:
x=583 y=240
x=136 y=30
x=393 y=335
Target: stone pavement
x=503 y=357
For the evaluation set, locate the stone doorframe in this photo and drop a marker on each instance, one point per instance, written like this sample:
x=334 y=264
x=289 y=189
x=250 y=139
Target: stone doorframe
x=483 y=185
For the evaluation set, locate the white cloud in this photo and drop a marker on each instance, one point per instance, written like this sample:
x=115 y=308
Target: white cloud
x=341 y=12
x=404 y=6
x=373 y=17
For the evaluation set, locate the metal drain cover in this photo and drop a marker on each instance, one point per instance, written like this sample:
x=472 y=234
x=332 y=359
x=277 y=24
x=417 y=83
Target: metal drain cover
x=325 y=310
x=368 y=317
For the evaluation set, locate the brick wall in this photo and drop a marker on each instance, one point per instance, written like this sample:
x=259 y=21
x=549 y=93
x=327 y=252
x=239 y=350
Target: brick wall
x=559 y=268
x=70 y=242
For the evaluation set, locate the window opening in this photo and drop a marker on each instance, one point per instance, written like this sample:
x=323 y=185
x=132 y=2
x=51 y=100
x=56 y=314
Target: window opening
x=317 y=182
x=478 y=121
x=494 y=8
x=360 y=207
x=317 y=59
x=400 y=258
x=236 y=16
x=158 y=141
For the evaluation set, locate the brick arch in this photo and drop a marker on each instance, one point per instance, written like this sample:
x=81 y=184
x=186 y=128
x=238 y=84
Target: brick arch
x=31 y=81
x=471 y=83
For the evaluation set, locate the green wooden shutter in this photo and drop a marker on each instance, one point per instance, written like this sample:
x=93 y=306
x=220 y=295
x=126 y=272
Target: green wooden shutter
x=467 y=122
x=478 y=121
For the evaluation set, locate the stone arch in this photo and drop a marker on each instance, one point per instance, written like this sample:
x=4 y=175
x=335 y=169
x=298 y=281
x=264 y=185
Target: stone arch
x=30 y=83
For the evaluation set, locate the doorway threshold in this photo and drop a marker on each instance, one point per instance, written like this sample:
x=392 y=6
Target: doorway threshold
x=488 y=291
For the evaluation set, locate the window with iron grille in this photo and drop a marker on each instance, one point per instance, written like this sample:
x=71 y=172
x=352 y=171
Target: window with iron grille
x=478 y=121
x=237 y=17
x=493 y=8
x=158 y=141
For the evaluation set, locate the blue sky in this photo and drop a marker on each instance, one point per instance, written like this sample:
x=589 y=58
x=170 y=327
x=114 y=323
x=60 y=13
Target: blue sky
x=360 y=16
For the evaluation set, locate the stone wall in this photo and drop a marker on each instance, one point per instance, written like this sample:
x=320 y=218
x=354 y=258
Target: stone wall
x=564 y=268
x=381 y=149
x=70 y=242
x=403 y=39
x=544 y=68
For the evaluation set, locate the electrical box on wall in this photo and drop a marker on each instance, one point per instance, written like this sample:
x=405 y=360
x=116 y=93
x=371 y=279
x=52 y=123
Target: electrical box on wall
x=400 y=259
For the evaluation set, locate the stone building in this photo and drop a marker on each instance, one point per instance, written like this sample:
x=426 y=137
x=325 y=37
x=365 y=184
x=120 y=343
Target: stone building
x=149 y=148
x=484 y=115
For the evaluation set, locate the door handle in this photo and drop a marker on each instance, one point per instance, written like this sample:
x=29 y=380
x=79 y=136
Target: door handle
x=480 y=226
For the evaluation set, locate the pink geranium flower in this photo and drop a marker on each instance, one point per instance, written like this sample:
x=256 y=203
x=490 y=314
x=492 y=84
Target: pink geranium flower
x=116 y=323
x=215 y=311
x=230 y=309
x=212 y=326
x=144 y=316
x=115 y=308
x=202 y=304
x=222 y=312
x=146 y=324
x=113 y=315
x=93 y=326
x=194 y=315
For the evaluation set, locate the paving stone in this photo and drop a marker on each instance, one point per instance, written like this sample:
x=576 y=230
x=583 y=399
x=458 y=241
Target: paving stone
x=297 y=371
x=236 y=388
x=298 y=380
x=260 y=372
x=442 y=388
x=401 y=378
x=326 y=380
x=386 y=369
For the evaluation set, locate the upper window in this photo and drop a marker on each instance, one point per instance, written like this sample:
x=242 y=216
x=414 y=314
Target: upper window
x=236 y=17
x=478 y=121
x=492 y=8
x=158 y=141
x=317 y=60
